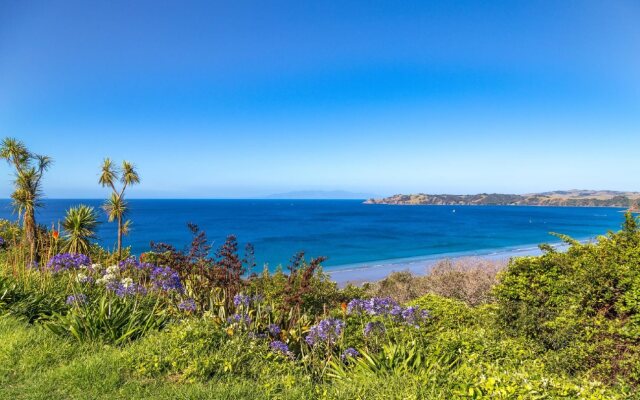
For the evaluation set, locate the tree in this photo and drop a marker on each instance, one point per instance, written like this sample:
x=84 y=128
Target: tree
x=27 y=195
x=79 y=226
x=116 y=207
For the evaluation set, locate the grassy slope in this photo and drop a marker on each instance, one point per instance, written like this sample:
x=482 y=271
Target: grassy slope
x=36 y=364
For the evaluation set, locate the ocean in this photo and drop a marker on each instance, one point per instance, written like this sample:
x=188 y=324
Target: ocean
x=348 y=232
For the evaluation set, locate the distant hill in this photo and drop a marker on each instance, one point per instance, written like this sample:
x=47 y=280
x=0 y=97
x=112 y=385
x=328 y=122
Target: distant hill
x=569 y=198
x=321 y=195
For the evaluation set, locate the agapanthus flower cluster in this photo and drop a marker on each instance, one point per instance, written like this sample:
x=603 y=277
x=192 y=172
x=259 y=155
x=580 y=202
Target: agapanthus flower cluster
x=374 y=328
x=327 y=331
x=274 y=330
x=166 y=279
x=109 y=276
x=77 y=299
x=414 y=316
x=349 y=353
x=241 y=319
x=241 y=300
x=280 y=348
x=125 y=287
x=386 y=307
x=83 y=278
x=2 y=242
x=67 y=261
x=187 y=305
x=374 y=306
x=132 y=262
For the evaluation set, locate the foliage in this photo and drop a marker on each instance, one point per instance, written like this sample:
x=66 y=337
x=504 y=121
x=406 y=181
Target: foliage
x=109 y=318
x=27 y=196
x=205 y=277
x=21 y=300
x=79 y=225
x=581 y=305
x=468 y=279
x=116 y=207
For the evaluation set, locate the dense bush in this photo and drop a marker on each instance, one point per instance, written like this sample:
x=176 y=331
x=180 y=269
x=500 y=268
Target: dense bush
x=468 y=279
x=581 y=305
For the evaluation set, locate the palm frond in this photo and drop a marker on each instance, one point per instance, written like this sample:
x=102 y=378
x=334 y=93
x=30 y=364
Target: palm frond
x=14 y=151
x=115 y=207
x=126 y=227
x=79 y=226
x=129 y=174
x=108 y=174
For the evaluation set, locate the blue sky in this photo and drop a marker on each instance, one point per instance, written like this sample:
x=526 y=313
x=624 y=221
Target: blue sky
x=244 y=99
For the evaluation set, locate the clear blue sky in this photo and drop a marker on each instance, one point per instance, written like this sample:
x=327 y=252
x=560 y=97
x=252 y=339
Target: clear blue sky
x=243 y=99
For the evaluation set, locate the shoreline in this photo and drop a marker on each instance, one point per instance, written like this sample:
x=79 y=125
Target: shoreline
x=372 y=271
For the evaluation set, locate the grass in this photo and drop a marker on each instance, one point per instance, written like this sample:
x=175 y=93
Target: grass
x=36 y=364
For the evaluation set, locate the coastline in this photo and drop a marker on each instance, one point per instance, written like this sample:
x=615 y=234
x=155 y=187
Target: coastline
x=372 y=271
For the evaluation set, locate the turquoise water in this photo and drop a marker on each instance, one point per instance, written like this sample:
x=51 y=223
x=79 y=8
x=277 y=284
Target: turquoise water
x=346 y=231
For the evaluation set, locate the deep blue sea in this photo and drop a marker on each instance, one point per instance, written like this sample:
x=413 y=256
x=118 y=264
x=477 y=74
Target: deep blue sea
x=346 y=231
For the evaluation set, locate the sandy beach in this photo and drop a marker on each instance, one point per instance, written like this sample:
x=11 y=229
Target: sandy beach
x=377 y=270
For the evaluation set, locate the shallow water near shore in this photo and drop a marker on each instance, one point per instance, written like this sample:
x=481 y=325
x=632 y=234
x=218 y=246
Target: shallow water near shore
x=355 y=237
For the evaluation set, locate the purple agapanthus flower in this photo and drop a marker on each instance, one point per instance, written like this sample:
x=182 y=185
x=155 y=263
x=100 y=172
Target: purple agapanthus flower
x=239 y=319
x=129 y=262
x=327 y=331
x=281 y=348
x=187 y=305
x=125 y=288
x=374 y=306
x=373 y=328
x=76 y=299
x=67 y=261
x=132 y=262
x=130 y=290
x=414 y=316
x=84 y=278
x=274 y=330
x=166 y=279
x=349 y=353
x=2 y=242
x=258 y=298
x=241 y=300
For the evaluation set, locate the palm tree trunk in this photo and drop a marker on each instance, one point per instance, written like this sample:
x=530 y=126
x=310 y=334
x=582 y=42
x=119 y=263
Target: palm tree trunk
x=29 y=225
x=119 y=236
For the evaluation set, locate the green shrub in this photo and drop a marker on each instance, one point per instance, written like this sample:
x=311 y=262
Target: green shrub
x=109 y=319
x=200 y=349
x=466 y=279
x=24 y=301
x=580 y=305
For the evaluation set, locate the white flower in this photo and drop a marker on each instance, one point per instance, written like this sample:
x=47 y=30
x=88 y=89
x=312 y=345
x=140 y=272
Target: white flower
x=83 y=267
x=113 y=269
x=81 y=278
x=106 y=279
x=126 y=282
x=96 y=267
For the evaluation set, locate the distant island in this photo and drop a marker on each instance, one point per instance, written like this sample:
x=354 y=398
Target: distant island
x=568 y=198
x=320 y=195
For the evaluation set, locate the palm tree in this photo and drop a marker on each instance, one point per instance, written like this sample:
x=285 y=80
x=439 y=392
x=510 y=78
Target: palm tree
x=79 y=226
x=116 y=207
x=27 y=195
